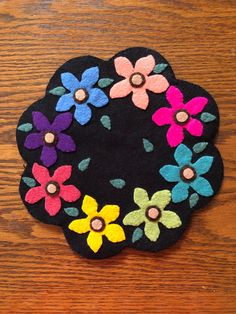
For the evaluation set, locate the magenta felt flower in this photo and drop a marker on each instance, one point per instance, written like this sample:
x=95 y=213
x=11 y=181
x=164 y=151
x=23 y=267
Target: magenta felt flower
x=137 y=80
x=180 y=116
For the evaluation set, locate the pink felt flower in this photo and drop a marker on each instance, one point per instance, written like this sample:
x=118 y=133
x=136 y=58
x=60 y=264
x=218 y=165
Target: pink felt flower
x=52 y=188
x=179 y=116
x=137 y=80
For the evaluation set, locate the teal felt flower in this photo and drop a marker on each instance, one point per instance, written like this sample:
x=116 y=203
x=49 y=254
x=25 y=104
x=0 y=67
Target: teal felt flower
x=187 y=174
x=81 y=93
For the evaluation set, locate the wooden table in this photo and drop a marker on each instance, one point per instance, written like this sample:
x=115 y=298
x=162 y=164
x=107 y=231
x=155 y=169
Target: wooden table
x=38 y=271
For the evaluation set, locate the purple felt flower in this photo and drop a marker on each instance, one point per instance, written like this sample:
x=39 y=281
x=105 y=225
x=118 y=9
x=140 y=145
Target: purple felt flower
x=50 y=136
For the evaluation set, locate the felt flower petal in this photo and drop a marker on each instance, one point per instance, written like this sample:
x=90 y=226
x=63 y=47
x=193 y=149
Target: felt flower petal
x=196 y=105
x=175 y=135
x=175 y=97
x=80 y=225
x=180 y=192
x=157 y=83
x=134 y=218
x=89 y=205
x=94 y=241
x=48 y=155
x=121 y=89
x=123 y=66
x=163 y=116
x=69 y=81
x=140 y=98
x=83 y=114
x=170 y=173
x=33 y=140
x=152 y=231
x=41 y=174
x=40 y=121
x=202 y=186
x=203 y=164
x=62 y=174
x=145 y=65
x=183 y=155
x=194 y=127
x=69 y=193
x=62 y=122
x=161 y=199
x=97 y=98
x=65 y=143
x=89 y=77
x=141 y=197
x=52 y=205
x=110 y=213
x=65 y=102
x=170 y=219
x=114 y=233
x=34 y=195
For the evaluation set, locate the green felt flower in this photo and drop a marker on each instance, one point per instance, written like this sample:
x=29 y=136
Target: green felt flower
x=151 y=212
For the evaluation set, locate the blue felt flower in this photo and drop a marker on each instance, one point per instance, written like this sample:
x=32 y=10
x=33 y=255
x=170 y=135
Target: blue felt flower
x=81 y=94
x=187 y=174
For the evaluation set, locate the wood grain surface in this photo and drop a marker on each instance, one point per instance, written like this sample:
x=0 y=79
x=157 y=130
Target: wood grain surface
x=38 y=271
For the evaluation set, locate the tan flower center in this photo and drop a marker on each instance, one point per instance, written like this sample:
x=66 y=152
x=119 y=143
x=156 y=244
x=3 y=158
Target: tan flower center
x=52 y=188
x=188 y=173
x=181 y=117
x=153 y=213
x=137 y=79
x=49 y=138
x=81 y=95
x=97 y=224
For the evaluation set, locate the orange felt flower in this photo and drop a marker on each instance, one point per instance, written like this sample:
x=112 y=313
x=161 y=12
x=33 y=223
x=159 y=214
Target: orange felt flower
x=137 y=80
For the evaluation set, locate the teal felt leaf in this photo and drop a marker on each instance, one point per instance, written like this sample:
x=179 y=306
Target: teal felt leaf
x=71 y=211
x=118 y=183
x=106 y=122
x=199 y=147
x=137 y=234
x=29 y=181
x=193 y=200
x=207 y=117
x=26 y=127
x=160 y=67
x=58 y=91
x=83 y=165
x=148 y=146
x=104 y=82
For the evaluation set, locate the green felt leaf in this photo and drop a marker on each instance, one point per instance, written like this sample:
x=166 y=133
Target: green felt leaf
x=29 y=181
x=148 y=146
x=193 y=200
x=104 y=82
x=71 y=211
x=83 y=165
x=199 y=147
x=58 y=91
x=160 y=67
x=118 y=183
x=106 y=122
x=207 y=117
x=137 y=234
x=26 y=127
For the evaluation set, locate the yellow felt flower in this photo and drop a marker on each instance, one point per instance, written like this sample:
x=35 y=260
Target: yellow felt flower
x=98 y=224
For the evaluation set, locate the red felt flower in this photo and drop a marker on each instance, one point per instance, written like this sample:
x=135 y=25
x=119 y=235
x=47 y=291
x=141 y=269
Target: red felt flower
x=52 y=188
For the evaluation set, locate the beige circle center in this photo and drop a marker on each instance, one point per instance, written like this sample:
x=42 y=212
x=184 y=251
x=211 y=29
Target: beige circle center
x=51 y=188
x=49 y=138
x=188 y=173
x=137 y=79
x=97 y=224
x=153 y=213
x=182 y=116
x=80 y=95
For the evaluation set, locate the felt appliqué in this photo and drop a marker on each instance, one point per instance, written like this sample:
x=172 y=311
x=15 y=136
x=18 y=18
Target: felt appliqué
x=112 y=175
